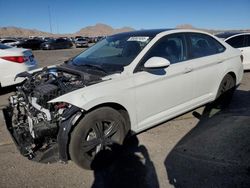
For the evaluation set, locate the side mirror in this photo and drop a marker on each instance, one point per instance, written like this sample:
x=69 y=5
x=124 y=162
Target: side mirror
x=156 y=63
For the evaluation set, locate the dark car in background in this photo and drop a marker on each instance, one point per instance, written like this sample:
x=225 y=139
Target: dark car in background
x=33 y=44
x=59 y=43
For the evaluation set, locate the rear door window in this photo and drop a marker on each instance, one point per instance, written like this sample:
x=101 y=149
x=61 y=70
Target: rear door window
x=202 y=45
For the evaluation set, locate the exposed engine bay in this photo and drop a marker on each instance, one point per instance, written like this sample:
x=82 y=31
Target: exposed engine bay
x=32 y=121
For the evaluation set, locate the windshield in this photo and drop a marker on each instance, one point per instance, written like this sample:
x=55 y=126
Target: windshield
x=112 y=53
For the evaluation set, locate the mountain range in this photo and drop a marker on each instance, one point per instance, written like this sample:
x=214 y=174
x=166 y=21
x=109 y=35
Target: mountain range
x=96 y=30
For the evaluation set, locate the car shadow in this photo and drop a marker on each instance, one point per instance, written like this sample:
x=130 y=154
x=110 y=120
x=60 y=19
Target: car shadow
x=131 y=167
x=216 y=152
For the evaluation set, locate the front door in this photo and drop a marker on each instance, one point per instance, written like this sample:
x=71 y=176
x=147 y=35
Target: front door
x=161 y=93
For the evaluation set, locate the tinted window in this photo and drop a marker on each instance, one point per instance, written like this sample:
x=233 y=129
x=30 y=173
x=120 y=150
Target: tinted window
x=236 y=42
x=6 y=41
x=60 y=40
x=203 y=45
x=81 y=40
x=33 y=41
x=171 y=47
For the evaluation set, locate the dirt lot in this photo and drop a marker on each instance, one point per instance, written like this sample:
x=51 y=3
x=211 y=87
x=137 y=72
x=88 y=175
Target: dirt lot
x=212 y=151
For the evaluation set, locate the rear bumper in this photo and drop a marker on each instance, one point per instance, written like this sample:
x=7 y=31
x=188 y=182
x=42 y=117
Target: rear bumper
x=9 y=79
x=246 y=66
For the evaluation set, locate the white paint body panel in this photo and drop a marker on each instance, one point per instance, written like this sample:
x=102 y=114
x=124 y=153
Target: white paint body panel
x=154 y=97
x=246 y=57
x=8 y=69
x=245 y=51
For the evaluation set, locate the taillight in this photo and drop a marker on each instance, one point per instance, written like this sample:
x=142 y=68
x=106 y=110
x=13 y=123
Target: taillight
x=241 y=58
x=16 y=59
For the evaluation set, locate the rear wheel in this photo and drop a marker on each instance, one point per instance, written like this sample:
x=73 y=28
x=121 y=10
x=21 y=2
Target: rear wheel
x=226 y=90
x=98 y=131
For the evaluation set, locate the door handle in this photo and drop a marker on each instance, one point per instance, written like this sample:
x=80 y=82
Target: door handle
x=188 y=69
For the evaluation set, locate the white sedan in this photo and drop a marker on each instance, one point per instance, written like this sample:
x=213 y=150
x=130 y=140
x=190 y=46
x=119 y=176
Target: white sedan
x=81 y=42
x=126 y=83
x=240 y=41
x=12 y=62
x=10 y=42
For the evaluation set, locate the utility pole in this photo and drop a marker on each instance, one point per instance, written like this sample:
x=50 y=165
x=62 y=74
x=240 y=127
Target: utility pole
x=50 y=20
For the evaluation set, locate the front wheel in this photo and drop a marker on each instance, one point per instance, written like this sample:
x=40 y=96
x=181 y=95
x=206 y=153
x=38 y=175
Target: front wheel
x=98 y=131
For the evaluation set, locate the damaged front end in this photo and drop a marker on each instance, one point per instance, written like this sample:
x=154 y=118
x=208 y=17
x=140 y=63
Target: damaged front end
x=41 y=129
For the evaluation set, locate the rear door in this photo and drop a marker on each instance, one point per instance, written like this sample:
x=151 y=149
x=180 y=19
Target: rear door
x=207 y=56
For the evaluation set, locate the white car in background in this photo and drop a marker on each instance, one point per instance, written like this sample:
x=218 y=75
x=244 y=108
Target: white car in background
x=81 y=42
x=13 y=61
x=240 y=41
x=127 y=82
x=10 y=42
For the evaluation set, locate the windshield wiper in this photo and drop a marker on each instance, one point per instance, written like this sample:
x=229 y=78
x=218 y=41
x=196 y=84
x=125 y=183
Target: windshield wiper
x=94 y=66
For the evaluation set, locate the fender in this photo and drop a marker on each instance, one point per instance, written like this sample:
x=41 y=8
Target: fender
x=70 y=117
x=118 y=92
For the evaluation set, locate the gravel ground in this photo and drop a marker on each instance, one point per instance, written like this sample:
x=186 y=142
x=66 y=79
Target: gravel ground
x=212 y=151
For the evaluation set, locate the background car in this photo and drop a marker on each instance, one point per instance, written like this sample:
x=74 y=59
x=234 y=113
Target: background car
x=81 y=42
x=10 y=42
x=14 y=61
x=33 y=44
x=240 y=41
x=98 y=38
x=59 y=43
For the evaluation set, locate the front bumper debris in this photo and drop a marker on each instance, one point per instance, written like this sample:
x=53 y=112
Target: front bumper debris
x=24 y=142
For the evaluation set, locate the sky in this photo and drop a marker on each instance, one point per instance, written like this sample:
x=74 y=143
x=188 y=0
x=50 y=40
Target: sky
x=69 y=16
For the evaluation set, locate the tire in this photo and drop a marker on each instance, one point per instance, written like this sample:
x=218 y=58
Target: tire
x=99 y=130
x=225 y=91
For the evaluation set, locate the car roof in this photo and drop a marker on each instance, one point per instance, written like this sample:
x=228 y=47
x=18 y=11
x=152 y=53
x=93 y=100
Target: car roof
x=148 y=32
x=226 y=35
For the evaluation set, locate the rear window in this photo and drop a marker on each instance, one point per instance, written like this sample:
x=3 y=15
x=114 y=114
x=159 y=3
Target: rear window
x=237 y=41
x=3 y=47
